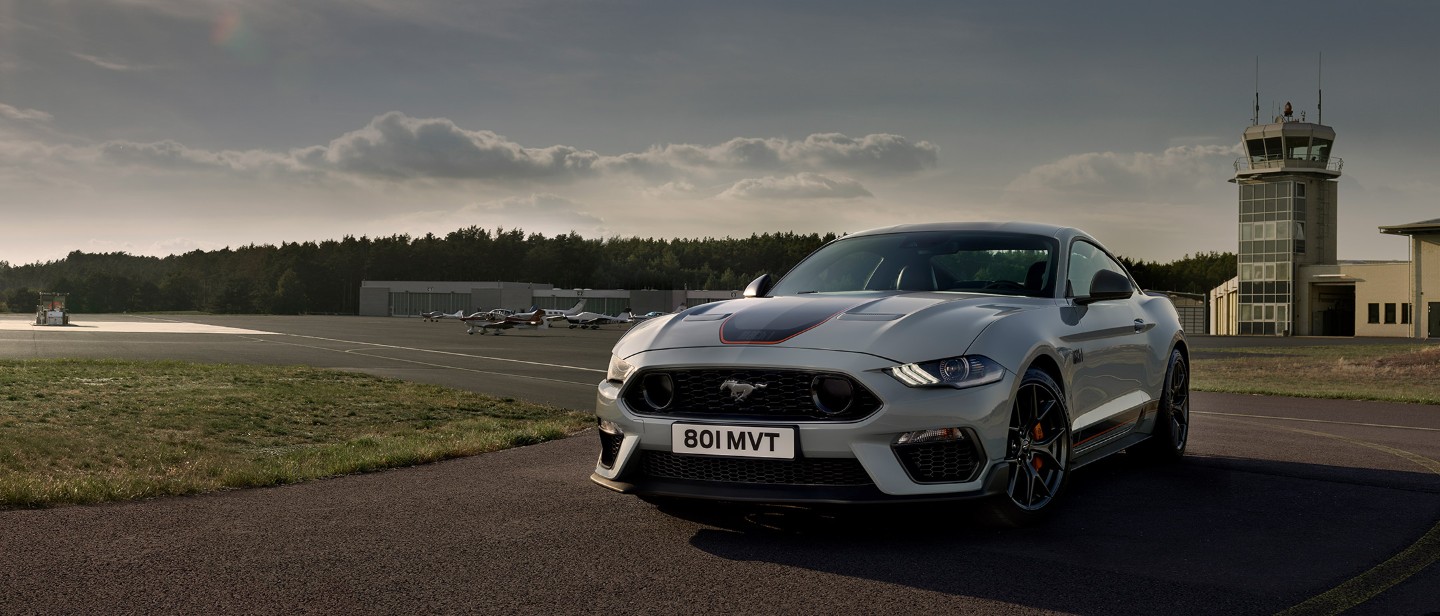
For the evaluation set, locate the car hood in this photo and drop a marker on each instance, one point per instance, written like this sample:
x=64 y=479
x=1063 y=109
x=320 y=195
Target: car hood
x=901 y=327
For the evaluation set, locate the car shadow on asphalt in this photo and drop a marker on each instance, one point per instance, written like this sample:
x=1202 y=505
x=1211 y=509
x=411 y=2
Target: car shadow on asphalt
x=1235 y=536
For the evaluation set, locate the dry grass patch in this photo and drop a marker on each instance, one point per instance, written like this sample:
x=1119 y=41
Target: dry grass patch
x=1394 y=373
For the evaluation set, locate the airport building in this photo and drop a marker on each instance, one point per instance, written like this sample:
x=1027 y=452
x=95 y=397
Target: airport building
x=1291 y=281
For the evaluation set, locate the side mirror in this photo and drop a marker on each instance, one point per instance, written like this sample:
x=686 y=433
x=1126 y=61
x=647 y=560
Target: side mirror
x=759 y=287
x=1107 y=285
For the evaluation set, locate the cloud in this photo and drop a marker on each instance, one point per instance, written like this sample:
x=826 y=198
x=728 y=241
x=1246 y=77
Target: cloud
x=679 y=189
x=876 y=154
x=111 y=65
x=397 y=146
x=1100 y=176
x=879 y=154
x=171 y=157
x=798 y=186
x=537 y=206
x=23 y=115
x=397 y=150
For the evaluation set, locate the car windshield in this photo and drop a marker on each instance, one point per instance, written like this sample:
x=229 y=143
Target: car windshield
x=970 y=261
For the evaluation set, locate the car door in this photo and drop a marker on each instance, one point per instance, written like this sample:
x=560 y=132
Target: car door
x=1107 y=340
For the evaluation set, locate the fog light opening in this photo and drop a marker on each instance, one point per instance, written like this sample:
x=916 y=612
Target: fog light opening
x=610 y=427
x=832 y=395
x=659 y=390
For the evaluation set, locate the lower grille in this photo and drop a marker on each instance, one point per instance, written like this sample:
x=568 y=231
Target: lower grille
x=805 y=471
x=610 y=448
x=944 y=462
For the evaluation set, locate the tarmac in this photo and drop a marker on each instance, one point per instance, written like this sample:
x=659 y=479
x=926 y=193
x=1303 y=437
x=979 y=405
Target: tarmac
x=1323 y=505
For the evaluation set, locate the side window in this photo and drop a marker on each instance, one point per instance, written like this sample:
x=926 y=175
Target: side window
x=1085 y=260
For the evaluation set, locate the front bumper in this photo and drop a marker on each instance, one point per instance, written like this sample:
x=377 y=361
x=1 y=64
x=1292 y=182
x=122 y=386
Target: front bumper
x=836 y=462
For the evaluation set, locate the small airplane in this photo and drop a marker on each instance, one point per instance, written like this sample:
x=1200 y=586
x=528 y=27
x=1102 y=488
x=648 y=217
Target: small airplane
x=593 y=320
x=436 y=315
x=557 y=315
x=649 y=315
x=496 y=321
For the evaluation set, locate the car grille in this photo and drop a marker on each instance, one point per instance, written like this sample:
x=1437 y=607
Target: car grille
x=944 y=462
x=787 y=395
x=609 y=448
x=804 y=471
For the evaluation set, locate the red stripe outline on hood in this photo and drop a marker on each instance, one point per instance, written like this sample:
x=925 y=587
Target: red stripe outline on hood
x=789 y=332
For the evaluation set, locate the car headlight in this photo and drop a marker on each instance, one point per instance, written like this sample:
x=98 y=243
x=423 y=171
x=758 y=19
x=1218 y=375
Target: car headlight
x=956 y=372
x=618 y=370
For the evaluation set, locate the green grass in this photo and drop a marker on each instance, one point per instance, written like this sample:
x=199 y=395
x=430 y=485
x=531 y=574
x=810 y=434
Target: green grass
x=88 y=431
x=1392 y=373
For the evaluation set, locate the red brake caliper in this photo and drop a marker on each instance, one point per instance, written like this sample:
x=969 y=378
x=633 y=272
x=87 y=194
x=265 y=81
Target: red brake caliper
x=1039 y=434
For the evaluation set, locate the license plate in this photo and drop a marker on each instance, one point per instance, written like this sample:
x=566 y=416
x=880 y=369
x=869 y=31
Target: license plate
x=733 y=441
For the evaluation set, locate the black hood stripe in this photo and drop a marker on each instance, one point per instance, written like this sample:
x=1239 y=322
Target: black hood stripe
x=775 y=320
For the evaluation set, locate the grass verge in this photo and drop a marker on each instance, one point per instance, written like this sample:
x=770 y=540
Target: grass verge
x=88 y=431
x=1391 y=373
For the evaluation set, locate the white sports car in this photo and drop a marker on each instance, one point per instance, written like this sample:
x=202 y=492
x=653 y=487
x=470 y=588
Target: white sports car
x=911 y=363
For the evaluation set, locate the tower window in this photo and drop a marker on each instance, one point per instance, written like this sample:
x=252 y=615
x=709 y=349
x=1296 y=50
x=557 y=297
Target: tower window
x=1374 y=316
x=1389 y=313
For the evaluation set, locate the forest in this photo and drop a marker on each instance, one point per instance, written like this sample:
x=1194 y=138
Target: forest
x=324 y=277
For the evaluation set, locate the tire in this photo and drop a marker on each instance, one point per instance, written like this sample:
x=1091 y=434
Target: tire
x=1172 y=421
x=1037 y=453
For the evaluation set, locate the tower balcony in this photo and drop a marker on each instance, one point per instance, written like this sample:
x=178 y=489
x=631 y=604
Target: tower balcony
x=1254 y=166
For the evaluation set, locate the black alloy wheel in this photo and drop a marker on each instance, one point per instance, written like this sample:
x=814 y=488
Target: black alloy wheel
x=1037 y=451
x=1172 y=422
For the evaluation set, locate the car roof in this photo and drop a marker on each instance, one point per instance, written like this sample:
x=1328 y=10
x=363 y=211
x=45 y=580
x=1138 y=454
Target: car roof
x=1027 y=228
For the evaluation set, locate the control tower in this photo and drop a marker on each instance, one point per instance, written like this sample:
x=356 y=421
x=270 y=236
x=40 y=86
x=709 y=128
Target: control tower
x=1288 y=198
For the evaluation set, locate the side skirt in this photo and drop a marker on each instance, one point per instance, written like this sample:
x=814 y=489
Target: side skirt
x=1112 y=435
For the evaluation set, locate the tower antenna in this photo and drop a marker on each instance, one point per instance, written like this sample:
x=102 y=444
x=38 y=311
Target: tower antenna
x=1255 y=121
x=1320 y=90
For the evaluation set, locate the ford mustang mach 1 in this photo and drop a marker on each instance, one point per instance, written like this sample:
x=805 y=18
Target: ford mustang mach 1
x=911 y=363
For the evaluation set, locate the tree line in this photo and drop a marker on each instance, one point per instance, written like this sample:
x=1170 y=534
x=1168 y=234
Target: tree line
x=1190 y=274
x=324 y=277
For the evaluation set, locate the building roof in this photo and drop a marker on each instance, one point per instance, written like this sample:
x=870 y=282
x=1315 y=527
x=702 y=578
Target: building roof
x=1414 y=228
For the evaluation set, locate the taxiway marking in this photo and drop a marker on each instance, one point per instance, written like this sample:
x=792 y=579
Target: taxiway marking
x=1420 y=554
x=1321 y=421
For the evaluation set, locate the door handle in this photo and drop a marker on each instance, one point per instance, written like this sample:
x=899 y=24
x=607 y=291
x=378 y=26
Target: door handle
x=1139 y=325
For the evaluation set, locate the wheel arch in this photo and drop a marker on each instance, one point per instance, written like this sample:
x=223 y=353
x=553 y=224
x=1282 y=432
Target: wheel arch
x=1050 y=366
x=1182 y=345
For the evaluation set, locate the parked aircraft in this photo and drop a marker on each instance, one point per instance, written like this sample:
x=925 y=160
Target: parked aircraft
x=436 y=315
x=593 y=320
x=492 y=321
x=557 y=315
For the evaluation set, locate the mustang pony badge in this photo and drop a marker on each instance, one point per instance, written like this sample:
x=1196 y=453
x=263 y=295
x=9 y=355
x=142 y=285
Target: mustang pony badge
x=740 y=391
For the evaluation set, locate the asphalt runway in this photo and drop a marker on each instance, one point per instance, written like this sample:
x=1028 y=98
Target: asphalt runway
x=1282 y=503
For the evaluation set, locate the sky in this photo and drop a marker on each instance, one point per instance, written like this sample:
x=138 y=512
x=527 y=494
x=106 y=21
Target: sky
x=158 y=127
